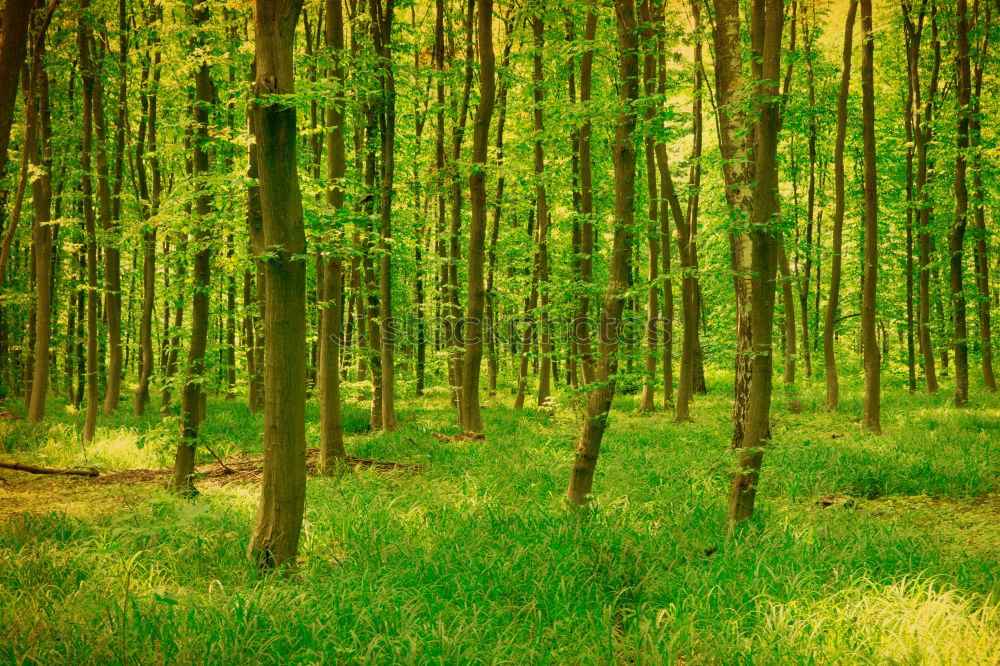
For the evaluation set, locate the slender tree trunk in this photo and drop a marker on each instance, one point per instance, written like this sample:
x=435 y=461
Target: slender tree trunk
x=331 y=428
x=581 y=324
x=87 y=77
x=493 y=360
x=275 y=537
x=911 y=360
x=833 y=300
x=979 y=211
x=870 y=420
x=956 y=237
x=602 y=389
x=471 y=418
x=647 y=399
x=788 y=301
x=150 y=207
x=39 y=146
x=191 y=397
x=382 y=17
x=541 y=212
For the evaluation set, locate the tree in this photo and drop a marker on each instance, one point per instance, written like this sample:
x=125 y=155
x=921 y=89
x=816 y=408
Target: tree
x=833 y=299
x=870 y=420
x=13 y=37
x=38 y=143
x=956 y=237
x=275 y=537
x=749 y=147
x=602 y=390
x=87 y=75
x=331 y=428
x=191 y=399
x=471 y=418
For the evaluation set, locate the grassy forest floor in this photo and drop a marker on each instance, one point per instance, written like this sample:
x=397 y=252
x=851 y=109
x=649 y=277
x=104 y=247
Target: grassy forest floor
x=863 y=549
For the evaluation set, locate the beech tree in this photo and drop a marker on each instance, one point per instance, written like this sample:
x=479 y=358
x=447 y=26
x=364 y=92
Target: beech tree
x=275 y=538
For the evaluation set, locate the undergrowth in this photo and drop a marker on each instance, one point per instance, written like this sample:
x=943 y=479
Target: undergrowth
x=863 y=549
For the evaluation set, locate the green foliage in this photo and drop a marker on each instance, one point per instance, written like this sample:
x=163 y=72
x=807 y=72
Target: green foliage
x=864 y=550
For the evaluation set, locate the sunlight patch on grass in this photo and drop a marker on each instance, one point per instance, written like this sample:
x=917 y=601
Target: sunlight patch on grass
x=911 y=621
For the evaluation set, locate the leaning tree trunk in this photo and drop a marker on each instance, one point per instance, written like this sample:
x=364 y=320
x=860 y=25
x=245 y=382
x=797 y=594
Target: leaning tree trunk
x=749 y=147
x=870 y=420
x=275 y=536
x=602 y=391
x=471 y=418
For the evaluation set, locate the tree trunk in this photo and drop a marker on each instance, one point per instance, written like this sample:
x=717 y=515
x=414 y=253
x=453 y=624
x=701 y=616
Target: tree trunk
x=788 y=301
x=150 y=207
x=275 y=537
x=956 y=238
x=13 y=37
x=602 y=389
x=90 y=230
x=194 y=382
x=541 y=214
x=471 y=418
x=751 y=191
x=982 y=254
x=39 y=146
x=647 y=399
x=833 y=300
x=381 y=18
x=581 y=325
x=331 y=445
x=870 y=420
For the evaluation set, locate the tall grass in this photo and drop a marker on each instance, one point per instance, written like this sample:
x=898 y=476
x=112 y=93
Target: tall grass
x=475 y=560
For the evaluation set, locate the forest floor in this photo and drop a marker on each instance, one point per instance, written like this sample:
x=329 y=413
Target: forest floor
x=863 y=549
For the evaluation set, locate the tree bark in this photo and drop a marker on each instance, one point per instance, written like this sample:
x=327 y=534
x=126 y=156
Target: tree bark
x=956 y=237
x=471 y=418
x=275 y=537
x=979 y=210
x=870 y=416
x=331 y=447
x=39 y=146
x=13 y=38
x=381 y=19
x=541 y=211
x=87 y=77
x=150 y=207
x=647 y=399
x=833 y=299
x=602 y=390
x=194 y=381
x=750 y=171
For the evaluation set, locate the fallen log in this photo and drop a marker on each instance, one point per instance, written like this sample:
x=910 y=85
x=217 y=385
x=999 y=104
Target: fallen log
x=32 y=469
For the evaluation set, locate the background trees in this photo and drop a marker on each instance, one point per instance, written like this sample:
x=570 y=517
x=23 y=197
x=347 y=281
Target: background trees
x=130 y=126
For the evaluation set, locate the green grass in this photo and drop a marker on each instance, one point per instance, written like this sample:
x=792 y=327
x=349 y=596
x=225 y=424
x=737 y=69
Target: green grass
x=475 y=559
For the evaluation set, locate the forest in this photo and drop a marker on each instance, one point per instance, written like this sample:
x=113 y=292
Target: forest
x=499 y=331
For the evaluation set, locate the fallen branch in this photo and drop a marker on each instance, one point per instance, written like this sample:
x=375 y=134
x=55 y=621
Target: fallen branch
x=31 y=469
